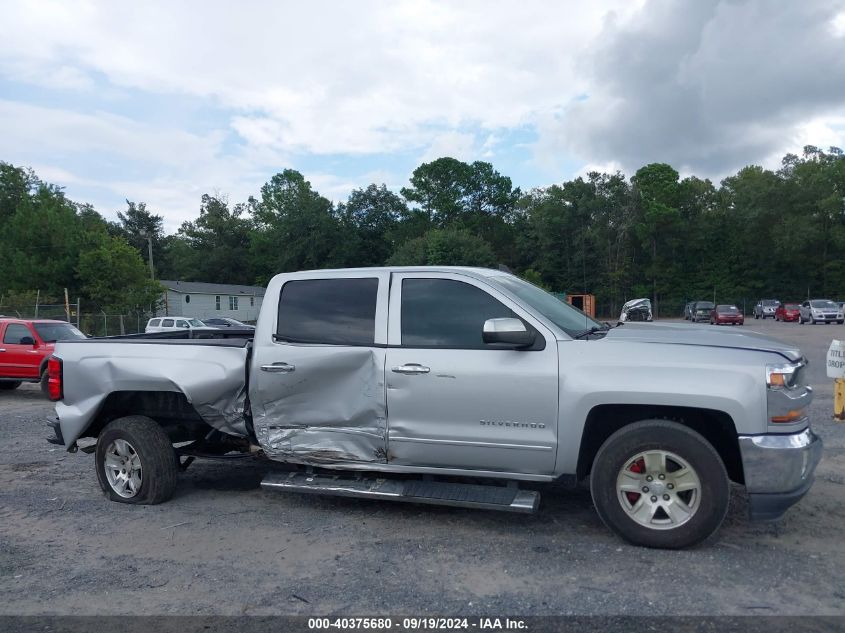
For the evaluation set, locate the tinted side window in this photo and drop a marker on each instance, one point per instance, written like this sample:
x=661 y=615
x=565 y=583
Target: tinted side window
x=446 y=313
x=331 y=311
x=154 y=322
x=167 y=323
x=15 y=332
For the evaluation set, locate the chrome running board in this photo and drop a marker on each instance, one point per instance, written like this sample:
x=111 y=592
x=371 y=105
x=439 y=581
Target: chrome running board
x=480 y=496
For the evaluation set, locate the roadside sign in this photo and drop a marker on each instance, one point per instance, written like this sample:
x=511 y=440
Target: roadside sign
x=836 y=360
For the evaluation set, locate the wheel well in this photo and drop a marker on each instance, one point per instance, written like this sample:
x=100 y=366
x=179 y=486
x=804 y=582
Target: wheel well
x=170 y=409
x=717 y=427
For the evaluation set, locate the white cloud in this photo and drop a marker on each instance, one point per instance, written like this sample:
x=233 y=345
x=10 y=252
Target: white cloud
x=704 y=85
x=323 y=77
x=453 y=144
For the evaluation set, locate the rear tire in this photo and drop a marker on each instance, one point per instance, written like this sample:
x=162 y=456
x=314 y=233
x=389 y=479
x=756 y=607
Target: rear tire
x=636 y=507
x=136 y=462
x=9 y=385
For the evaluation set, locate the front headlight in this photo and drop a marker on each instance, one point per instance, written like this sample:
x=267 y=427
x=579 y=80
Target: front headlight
x=781 y=376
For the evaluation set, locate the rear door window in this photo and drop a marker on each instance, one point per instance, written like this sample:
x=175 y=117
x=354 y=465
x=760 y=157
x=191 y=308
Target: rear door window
x=167 y=323
x=328 y=311
x=15 y=332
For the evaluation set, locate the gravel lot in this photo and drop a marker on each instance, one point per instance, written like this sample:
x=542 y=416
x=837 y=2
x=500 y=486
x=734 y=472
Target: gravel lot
x=223 y=546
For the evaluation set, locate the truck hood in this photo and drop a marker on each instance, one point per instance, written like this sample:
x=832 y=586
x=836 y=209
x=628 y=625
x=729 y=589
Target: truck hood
x=707 y=336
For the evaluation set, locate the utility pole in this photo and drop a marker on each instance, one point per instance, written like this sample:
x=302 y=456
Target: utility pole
x=143 y=233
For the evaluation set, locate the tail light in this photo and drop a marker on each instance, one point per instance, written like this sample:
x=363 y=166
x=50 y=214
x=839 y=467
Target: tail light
x=54 y=378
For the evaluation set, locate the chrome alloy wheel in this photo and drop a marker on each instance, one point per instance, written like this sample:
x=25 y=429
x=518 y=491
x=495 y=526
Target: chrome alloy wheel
x=123 y=468
x=658 y=490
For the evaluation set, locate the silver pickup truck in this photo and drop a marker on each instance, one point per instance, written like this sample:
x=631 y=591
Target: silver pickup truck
x=452 y=386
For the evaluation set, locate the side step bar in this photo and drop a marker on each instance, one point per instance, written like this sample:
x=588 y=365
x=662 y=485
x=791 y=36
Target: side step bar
x=484 y=497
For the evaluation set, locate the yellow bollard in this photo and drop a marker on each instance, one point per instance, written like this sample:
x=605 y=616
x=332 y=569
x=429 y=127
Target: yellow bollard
x=839 y=399
x=836 y=370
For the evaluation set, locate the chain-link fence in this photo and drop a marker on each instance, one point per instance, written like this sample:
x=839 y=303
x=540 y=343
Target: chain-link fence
x=91 y=322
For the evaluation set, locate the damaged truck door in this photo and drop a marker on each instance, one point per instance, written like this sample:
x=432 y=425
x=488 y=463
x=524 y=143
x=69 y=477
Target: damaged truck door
x=317 y=380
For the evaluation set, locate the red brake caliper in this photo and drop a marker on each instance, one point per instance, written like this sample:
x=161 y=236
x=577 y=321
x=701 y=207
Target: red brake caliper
x=637 y=467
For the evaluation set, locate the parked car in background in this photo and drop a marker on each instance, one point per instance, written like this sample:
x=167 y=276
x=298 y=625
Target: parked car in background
x=25 y=346
x=726 y=315
x=636 y=310
x=688 y=310
x=226 y=322
x=821 y=311
x=788 y=312
x=701 y=311
x=175 y=324
x=766 y=308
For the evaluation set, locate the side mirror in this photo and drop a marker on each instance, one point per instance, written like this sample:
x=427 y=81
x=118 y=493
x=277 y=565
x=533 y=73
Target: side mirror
x=508 y=331
x=27 y=340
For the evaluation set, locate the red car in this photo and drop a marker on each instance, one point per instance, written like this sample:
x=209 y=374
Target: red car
x=25 y=346
x=726 y=315
x=787 y=312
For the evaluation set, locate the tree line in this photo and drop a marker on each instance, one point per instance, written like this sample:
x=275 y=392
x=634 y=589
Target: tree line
x=758 y=233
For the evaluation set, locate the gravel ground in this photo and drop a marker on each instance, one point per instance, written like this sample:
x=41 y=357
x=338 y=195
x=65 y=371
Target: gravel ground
x=223 y=546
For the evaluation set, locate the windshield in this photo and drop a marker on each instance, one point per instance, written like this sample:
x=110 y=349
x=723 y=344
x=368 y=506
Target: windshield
x=569 y=319
x=196 y=323
x=790 y=306
x=727 y=309
x=770 y=302
x=52 y=332
x=703 y=305
x=824 y=303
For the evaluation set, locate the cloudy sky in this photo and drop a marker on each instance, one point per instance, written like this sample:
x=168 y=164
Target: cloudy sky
x=162 y=101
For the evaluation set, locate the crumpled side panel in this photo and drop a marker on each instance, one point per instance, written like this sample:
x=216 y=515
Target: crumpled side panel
x=212 y=378
x=330 y=409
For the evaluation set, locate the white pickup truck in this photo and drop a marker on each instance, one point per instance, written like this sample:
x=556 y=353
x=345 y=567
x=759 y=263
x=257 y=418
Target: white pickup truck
x=451 y=386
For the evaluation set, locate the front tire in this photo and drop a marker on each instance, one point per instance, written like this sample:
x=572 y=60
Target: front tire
x=136 y=462
x=660 y=484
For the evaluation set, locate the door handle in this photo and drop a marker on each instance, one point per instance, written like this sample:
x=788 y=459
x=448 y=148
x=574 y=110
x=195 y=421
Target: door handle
x=278 y=368
x=411 y=369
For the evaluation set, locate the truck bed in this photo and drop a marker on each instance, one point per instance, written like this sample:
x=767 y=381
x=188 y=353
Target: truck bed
x=211 y=373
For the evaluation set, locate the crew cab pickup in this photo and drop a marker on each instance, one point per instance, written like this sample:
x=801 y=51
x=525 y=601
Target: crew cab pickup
x=454 y=386
x=25 y=345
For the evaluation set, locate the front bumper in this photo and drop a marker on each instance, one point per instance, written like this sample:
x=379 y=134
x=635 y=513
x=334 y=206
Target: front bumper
x=778 y=470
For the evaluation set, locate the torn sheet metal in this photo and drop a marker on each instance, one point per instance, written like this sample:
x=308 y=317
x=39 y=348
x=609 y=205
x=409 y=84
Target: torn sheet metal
x=330 y=408
x=212 y=377
x=636 y=310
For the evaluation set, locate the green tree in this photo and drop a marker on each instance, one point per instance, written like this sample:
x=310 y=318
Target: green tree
x=216 y=245
x=368 y=220
x=138 y=225
x=445 y=247
x=657 y=190
x=474 y=197
x=295 y=228
x=115 y=278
